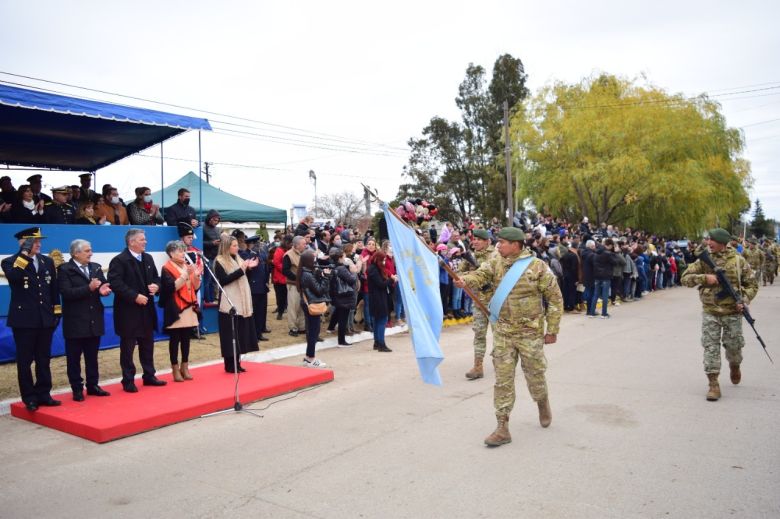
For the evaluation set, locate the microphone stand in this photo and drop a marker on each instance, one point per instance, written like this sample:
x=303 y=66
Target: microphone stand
x=237 y=405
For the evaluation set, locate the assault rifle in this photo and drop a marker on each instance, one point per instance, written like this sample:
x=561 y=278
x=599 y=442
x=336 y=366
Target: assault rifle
x=727 y=291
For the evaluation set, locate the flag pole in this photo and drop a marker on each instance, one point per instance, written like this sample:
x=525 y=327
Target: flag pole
x=446 y=267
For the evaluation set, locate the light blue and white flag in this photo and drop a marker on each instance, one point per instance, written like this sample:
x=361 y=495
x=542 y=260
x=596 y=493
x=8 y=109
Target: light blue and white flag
x=418 y=273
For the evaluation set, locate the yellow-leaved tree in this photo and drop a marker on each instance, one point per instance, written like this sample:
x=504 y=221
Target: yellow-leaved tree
x=630 y=155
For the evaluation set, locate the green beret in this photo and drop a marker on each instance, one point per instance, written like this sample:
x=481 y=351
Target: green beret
x=719 y=235
x=481 y=233
x=734 y=237
x=511 y=234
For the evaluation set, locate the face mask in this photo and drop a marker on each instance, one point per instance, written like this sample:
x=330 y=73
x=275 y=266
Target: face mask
x=186 y=202
x=114 y=200
x=148 y=199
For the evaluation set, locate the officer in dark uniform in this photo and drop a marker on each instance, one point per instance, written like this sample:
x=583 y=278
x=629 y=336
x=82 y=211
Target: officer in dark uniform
x=258 y=281
x=33 y=315
x=86 y=191
x=35 y=182
x=59 y=211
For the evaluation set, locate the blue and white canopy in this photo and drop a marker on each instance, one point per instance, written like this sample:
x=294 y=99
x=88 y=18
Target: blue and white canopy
x=38 y=129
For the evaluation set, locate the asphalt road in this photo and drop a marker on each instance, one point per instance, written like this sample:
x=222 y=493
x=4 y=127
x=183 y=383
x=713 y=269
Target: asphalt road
x=632 y=436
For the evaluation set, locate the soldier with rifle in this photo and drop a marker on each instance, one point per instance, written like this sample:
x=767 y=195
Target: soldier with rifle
x=726 y=285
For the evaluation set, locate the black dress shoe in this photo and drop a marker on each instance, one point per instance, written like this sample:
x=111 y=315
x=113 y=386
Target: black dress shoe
x=130 y=387
x=154 y=382
x=78 y=396
x=292 y=333
x=31 y=406
x=266 y=331
x=97 y=391
x=320 y=339
x=50 y=402
x=241 y=370
x=261 y=338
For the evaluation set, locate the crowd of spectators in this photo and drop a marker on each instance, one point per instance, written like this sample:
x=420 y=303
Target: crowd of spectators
x=79 y=204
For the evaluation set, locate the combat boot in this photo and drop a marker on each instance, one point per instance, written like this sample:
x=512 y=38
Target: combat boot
x=714 y=393
x=736 y=374
x=545 y=414
x=501 y=435
x=476 y=372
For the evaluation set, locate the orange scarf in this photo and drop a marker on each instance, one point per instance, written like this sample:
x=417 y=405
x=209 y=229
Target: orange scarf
x=185 y=296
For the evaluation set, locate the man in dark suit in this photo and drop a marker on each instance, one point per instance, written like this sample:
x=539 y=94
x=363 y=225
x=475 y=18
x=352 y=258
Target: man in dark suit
x=33 y=315
x=82 y=284
x=135 y=281
x=36 y=184
x=86 y=191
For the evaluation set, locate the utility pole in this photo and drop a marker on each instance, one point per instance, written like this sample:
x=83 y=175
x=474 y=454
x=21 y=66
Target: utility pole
x=367 y=200
x=206 y=171
x=507 y=159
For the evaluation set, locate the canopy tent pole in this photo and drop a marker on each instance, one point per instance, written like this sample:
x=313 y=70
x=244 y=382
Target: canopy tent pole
x=162 y=182
x=200 y=181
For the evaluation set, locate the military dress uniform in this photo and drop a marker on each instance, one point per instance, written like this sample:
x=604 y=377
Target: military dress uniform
x=519 y=332
x=480 y=323
x=56 y=213
x=721 y=321
x=33 y=315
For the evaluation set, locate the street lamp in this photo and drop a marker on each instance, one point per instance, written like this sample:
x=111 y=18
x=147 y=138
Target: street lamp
x=313 y=178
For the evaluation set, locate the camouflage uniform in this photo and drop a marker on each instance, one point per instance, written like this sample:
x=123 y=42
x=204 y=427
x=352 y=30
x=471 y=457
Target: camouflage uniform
x=721 y=322
x=520 y=329
x=770 y=263
x=755 y=258
x=480 y=323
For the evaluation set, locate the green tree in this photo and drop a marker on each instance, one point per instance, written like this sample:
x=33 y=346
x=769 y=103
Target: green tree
x=760 y=226
x=625 y=154
x=457 y=165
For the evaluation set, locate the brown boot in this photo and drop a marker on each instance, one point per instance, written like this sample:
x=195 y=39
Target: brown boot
x=476 y=372
x=176 y=373
x=501 y=435
x=714 y=393
x=545 y=414
x=736 y=374
x=185 y=371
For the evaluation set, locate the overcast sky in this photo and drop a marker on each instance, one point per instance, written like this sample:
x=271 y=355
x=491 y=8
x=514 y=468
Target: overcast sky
x=351 y=82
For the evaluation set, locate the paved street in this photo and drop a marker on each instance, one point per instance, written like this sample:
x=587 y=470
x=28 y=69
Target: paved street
x=632 y=436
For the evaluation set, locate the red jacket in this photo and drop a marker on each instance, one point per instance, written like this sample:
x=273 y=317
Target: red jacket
x=278 y=277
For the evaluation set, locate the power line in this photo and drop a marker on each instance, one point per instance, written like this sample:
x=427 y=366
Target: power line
x=677 y=101
x=257 y=166
x=299 y=143
x=162 y=103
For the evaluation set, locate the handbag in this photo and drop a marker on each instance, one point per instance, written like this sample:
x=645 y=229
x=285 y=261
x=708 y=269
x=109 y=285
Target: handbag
x=315 y=309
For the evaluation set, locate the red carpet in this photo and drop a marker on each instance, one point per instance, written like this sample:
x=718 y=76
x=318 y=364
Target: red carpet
x=102 y=419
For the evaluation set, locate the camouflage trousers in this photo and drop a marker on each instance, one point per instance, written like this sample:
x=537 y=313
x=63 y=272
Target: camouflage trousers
x=717 y=330
x=480 y=326
x=769 y=273
x=507 y=349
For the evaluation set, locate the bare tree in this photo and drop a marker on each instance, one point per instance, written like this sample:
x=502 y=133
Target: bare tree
x=344 y=207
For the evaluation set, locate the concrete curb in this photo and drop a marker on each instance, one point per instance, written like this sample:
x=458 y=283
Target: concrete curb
x=262 y=356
